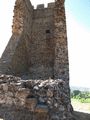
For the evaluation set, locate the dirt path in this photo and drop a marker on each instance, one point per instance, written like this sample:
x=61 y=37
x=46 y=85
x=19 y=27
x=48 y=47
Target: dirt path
x=82 y=110
x=81 y=107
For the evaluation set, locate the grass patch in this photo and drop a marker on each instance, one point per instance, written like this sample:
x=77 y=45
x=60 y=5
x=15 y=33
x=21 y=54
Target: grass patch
x=82 y=100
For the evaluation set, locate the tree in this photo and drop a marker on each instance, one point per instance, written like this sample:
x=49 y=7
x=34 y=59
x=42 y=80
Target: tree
x=76 y=93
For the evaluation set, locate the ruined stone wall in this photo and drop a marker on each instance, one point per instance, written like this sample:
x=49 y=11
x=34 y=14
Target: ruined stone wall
x=41 y=47
x=33 y=99
x=5 y=61
x=22 y=19
x=22 y=24
x=41 y=44
x=61 y=67
x=15 y=57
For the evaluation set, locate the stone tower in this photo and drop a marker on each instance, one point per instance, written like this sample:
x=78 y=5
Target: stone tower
x=38 y=45
x=37 y=51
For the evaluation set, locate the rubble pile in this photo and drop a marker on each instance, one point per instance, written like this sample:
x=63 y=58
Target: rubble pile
x=36 y=99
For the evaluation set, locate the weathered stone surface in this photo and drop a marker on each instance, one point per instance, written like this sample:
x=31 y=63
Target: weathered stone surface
x=50 y=99
x=38 y=46
x=41 y=109
x=38 y=51
x=31 y=103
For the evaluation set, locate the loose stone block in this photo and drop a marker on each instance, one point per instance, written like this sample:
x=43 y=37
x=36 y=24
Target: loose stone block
x=41 y=6
x=41 y=109
x=31 y=103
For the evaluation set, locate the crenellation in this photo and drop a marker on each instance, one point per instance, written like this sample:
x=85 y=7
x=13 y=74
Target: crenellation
x=41 y=6
x=51 y=5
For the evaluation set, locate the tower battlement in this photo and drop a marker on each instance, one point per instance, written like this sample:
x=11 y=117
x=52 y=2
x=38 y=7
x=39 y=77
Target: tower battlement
x=49 y=5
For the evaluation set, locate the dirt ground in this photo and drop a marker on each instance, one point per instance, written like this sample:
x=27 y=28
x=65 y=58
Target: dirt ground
x=81 y=110
x=81 y=107
x=81 y=116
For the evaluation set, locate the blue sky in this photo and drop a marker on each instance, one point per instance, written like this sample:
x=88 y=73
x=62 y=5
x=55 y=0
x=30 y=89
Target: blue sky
x=80 y=9
x=78 y=32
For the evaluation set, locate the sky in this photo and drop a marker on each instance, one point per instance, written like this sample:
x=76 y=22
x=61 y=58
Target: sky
x=78 y=33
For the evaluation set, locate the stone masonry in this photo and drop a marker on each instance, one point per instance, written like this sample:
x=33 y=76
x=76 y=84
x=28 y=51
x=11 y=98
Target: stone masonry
x=38 y=54
x=34 y=99
x=38 y=46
